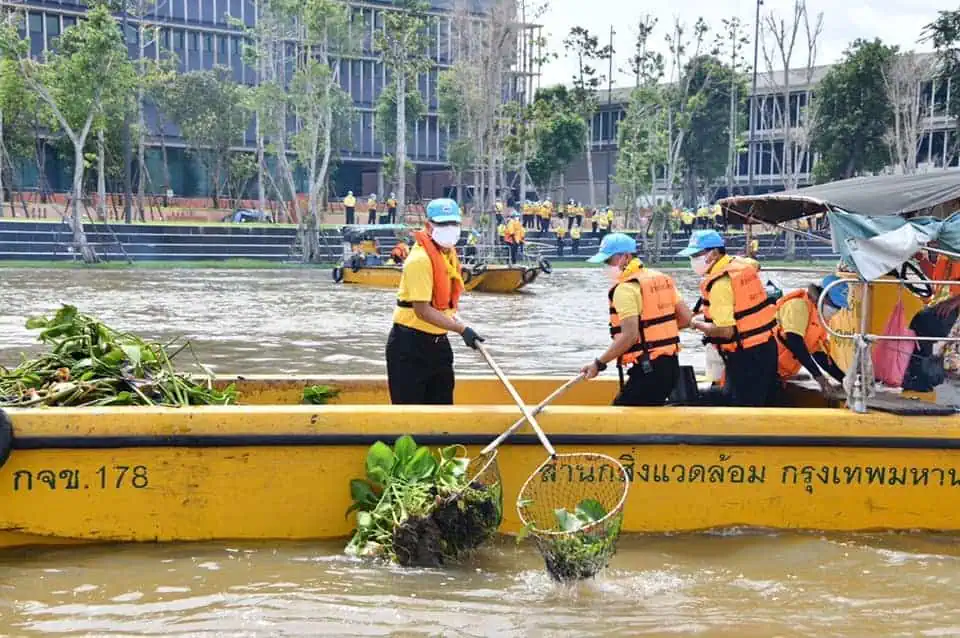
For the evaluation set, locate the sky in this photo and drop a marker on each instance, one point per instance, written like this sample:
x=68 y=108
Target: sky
x=897 y=22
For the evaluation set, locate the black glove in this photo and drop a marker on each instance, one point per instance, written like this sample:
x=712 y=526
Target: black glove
x=471 y=338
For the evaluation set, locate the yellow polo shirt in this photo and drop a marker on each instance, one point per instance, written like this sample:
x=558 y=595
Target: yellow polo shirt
x=721 y=296
x=628 y=299
x=416 y=284
x=793 y=316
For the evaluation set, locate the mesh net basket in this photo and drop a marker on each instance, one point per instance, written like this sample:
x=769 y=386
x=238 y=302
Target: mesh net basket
x=572 y=505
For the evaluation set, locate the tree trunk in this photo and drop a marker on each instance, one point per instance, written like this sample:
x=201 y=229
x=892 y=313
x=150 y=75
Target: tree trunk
x=732 y=138
x=523 y=173
x=142 y=175
x=79 y=235
x=401 y=154
x=593 y=195
x=1 y=165
x=458 y=176
x=101 y=178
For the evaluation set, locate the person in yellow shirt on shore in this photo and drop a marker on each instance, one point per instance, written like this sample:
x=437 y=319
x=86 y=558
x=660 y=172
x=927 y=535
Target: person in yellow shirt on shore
x=391 y=209
x=518 y=237
x=546 y=212
x=575 y=217
x=372 y=209
x=419 y=356
x=575 y=239
x=560 y=230
x=687 y=220
x=498 y=211
x=529 y=213
x=350 y=208
x=601 y=223
x=610 y=219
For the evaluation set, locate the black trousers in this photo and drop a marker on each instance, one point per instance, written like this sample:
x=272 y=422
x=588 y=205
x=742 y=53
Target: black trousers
x=514 y=253
x=750 y=378
x=419 y=367
x=575 y=243
x=651 y=388
x=559 y=247
x=372 y=216
x=350 y=214
x=392 y=215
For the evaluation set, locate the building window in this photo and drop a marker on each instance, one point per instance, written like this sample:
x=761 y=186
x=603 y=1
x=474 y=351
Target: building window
x=222 y=47
x=53 y=29
x=165 y=39
x=178 y=40
x=207 y=43
x=69 y=21
x=193 y=41
x=35 y=27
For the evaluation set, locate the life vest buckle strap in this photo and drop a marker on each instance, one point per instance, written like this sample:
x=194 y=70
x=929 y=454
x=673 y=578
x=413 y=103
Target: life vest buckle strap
x=754 y=309
x=404 y=304
x=646 y=323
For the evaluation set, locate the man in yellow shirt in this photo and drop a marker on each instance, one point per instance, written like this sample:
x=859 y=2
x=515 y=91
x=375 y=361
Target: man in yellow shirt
x=646 y=315
x=372 y=209
x=546 y=212
x=601 y=223
x=391 y=209
x=419 y=357
x=575 y=239
x=610 y=218
x=349 y=208
x=801 y=337
x=515 y=236
x=739 y=319
x=560 y=231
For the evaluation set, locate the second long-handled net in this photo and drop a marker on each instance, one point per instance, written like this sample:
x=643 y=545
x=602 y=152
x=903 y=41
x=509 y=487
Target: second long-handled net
x=572 y=505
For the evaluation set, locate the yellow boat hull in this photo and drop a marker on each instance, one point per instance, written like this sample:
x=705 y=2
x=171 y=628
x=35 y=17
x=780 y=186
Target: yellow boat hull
x=273 y=471
x=388 y=277
x=506 y=279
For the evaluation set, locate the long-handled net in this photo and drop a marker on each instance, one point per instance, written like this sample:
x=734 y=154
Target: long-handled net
x=573 y=507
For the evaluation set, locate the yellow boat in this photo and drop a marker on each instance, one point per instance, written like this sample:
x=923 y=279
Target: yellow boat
x=272 y=469
x=488 y=278
x=389 y=276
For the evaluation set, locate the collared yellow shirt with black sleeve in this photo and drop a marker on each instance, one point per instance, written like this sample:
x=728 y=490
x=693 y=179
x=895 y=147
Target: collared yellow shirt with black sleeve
x=416 y=285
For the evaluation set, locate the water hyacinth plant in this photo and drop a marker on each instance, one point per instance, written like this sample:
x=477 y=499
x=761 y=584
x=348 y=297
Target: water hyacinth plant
x=420 y=509
x=91 y=364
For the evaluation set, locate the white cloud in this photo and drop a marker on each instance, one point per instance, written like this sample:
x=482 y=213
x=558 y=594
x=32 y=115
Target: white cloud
x=894 y=21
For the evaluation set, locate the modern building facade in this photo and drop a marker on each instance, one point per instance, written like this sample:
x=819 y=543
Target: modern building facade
x=767 y=149
x=207 y=33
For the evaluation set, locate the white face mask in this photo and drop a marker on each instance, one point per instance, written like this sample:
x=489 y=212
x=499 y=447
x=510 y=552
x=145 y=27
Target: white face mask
x=699 y=264
x=828 y=313
x=612 y=273
x=446 y=236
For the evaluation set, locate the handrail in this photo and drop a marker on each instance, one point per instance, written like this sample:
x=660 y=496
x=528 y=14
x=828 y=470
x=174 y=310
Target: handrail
x=864 y=334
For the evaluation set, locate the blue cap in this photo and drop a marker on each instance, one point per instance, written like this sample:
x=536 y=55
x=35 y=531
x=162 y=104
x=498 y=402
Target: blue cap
x=614 y=244
x=443 y=210
x=700 y=241
x=838 y=294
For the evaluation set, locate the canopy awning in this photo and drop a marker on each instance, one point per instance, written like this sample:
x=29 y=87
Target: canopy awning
x=935 y=194
x=876 y=245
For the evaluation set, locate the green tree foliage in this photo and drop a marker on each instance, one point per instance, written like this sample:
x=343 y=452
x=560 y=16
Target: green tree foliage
x=89 y=67
x=402 y=45
x=20 y=119
x=559 y=134
x=211 y=111
x=385 y=116
x=455 y=113
x=705 y=151
x=852 y=113
x=944 y=34
x=585 y=48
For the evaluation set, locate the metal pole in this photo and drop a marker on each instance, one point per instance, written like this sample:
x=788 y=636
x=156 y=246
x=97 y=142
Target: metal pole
x=125 y=132
x=609 y=113
x=751 y=154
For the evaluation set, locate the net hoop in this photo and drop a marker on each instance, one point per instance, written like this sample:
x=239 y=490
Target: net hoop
x=620 y=473
x=482 y=464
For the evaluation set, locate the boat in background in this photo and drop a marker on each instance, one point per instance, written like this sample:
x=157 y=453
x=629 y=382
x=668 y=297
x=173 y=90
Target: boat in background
x=362 y=264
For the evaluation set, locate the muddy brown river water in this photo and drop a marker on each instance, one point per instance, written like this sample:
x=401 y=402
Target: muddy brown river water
x=738 y=583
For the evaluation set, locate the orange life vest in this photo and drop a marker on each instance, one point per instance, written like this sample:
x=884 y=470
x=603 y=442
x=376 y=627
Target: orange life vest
x=400 y=252
x=659 y=332
x=446 y=289
x=815 y=337
x=754 y=314
x=949 y=270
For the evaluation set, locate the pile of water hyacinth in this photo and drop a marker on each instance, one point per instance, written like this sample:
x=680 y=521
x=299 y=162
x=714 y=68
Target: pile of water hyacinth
x=91 y=364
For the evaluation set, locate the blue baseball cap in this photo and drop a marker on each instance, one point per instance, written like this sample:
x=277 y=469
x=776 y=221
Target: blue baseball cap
x=443 y=210
x=614 y=244
x=838 y=294
x=700 y=241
